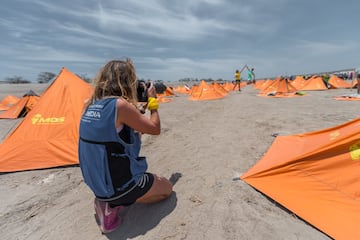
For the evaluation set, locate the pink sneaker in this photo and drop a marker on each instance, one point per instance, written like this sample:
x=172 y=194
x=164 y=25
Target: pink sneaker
x=107 y=218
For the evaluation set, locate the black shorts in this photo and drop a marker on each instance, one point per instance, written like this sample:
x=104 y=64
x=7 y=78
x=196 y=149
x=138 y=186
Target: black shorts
x=134 y=191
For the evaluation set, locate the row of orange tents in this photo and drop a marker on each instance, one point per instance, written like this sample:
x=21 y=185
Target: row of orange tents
x=312 y=174
x=47 y=136
x=18 y=107
x=285 y=87
x=48 y=133
x=207 y=91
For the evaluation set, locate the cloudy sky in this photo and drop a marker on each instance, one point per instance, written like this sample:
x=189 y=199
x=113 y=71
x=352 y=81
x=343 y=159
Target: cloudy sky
x=170 y=39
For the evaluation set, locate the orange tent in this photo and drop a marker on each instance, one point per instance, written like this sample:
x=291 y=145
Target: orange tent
x=299 y=82
x=258 y=84
x=267 y=84
x=316 y=176
x=182 y=89
x=279 y=88
x=336 y=82
x=48 y=135
x=8 y=101
x=204 y=92
x=314 y=83
x=166 y=96
x=228 y=86
x=168 y=92
x=22 y=107
x=220 y=88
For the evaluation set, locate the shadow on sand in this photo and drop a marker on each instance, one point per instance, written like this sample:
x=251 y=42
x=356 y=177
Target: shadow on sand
x=140 y=218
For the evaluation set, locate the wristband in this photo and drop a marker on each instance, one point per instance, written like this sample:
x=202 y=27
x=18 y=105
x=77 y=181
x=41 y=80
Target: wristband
x=152 y=104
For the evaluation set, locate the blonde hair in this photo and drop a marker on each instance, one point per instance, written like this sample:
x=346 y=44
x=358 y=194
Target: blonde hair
x=116 y=79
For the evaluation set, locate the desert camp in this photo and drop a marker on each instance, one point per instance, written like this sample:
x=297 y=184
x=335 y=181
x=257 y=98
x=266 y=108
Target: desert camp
x=179 y=120
x=249 y=184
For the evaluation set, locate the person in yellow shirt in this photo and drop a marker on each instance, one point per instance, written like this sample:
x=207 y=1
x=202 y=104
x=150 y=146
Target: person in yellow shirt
x=237 y=79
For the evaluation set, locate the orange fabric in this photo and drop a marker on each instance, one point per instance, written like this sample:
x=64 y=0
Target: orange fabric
x=279 y=87
x=21 y=108
x=258 y=83
x=267 y=86
x=218 y=87
x=182 y=89
x=336 y=82
x=48 y=135
x=228 y=86
x=2 y=107
x=298 y=82
x=314 y=83
x=8 y=101
x=316 y=176
x=204 y=92
x=168 y=92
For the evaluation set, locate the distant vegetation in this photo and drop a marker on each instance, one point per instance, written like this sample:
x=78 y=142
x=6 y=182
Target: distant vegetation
x=16 y=80
x=43 y=77
x=198 y=80
x=84 y=77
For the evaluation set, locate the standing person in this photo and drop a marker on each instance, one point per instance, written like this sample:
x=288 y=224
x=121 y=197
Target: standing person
x=326 y=78
x=237 y=80
x=357 y=76
x=251 y=75
x=109 y=145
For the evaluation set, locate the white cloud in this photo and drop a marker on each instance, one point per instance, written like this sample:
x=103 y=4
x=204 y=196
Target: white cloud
x=175 y=39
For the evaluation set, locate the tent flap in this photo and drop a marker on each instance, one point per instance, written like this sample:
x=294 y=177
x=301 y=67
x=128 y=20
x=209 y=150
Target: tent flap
x=48 y=135
x=315 y=175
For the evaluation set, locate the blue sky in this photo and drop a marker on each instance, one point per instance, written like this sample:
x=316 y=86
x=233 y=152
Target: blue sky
x=169 y=40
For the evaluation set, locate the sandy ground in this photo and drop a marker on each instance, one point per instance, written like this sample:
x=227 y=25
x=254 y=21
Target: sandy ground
x=210 y=143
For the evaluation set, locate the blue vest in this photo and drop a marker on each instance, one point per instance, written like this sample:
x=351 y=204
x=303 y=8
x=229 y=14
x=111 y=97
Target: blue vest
x=108 y=163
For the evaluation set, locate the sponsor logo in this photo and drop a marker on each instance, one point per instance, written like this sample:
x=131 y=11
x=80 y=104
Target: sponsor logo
x=355 y=151
x=334 y=135
x=93 y=114
x=38 y=119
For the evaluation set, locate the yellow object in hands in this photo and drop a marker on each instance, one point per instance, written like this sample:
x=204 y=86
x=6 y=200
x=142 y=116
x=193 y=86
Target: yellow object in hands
x=152 y=104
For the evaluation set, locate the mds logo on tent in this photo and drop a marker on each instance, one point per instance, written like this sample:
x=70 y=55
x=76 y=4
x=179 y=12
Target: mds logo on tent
x=355 y=151
x=39 y=119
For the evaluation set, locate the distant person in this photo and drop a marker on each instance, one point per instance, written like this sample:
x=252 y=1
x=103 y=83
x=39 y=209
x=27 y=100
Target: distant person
x=237 y=80
x=326 y=78
x=109 y=144
x=357 y=75
x=251 y=75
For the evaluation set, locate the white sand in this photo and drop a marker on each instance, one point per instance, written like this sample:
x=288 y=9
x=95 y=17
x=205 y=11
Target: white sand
x=210 y=143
